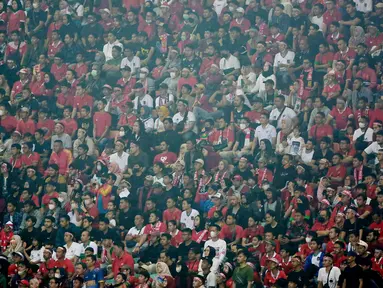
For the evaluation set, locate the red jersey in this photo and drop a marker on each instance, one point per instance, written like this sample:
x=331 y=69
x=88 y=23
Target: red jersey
x=59 y=72
x=127 y=120
x=265 y=257
x=15 y=19
x=220 y=136
x=118 y=262
x=46 y=198
x=13 y=49
x=286 y=266
x=159 y=227
x=210 y=214
x=127 y=84
x=207 y=62
x=244 y=24
x=331 y=16
x=176 y=239
x=81 y=101
x=377 y=227
x=70 y=126
x=9 y=123
x=26 y=126
x=346 y=56
x=47 y=125
x=18 y=86
x=374 y=41
x=46 y=266
x=166 y=158
x=270 y=279
x=62 y=159
x=101 y=120
x=250 y=233
x=168 y=215
x=81 y=69
x=54 y=48
x=182 y=81
x=368 y=75
x=335 y=171
x=66 y=264
x=200 y=236
x=32 y=160
x=226 y=233
x=318 y=132
x=65 y=99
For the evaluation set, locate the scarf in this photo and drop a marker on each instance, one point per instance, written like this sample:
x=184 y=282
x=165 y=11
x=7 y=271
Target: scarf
x=268 y=72
x=220 y=175
x=358 y=174
x=247 y=132
x=309 y=78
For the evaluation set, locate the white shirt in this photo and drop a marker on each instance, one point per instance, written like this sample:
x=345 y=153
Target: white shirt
x=134 y=231
x=108 y=49
x=231 y=63
x=368 y=137
x=177 y=118
x=188 y=220
x=122 y=161
x=307 y=157
x=169 y=99
x=92 y=245
x=333 y=278
x=287 y=113
x=364 y=6
x=73 y=250
x=288 y=59
x=37 y=255
x=269 y=132
x=220 y=248
x=147 y=100
x=373 y=148
x=319 y=21
x=134 y=65
x=73 y=219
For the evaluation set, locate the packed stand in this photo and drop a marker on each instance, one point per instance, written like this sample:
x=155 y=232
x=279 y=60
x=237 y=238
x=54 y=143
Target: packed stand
x=191 y=143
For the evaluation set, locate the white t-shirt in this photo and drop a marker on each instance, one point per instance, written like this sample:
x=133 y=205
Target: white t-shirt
x=134 y=65
x=147 y=100
x=73 y=250
x=333 y=278
x=170 y=99
x=288 y=59
x=177 y=118
x=220 y=248
x=188 y=220
x=368 y=137
x=122 y=161
x=231 y=63
x=37 y=255
x=92 y=245
x=269 y=132
x=373 y=148
x=287 y=113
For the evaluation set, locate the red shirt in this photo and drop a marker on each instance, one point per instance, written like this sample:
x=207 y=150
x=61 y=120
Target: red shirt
x=346 y=56
x=377 y=114
x=333 y=39
x=287 y=266
x=46 y=266
x=331 y=16
x=118 y=262
x=15 y=20
x=374 y=41
x=127 y=120
x=9 y=123
x=81 y=101
x=270 y=280
x=166 y=158
x=176 y=239
x=168 y=215
x=47 y=125
x=159 y=227
x=18 y=86
x=321 y=59
x=46 y=198
x=62 y=159
x=65 y=99
x=341 y=117
x=182 y=81
x=377 y=227
x=66 y=264
x=226 y=233
x=250 y=233
x=59 y=72
x=222 y=135
x=29 y=160
x=128 y=85
x=70 y=126
x=244 y=25
x=101 y=120
x=81 y=69
x=207 y=62
x=368 y=75
x=54 y=48
x=254 y=116
x=335 y=171
x=28 y=126
x=330 y=246
x=318 y=133
x=210 y=214
x=200 y=236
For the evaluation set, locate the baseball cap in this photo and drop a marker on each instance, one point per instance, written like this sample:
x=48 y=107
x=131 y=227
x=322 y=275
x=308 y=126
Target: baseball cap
x=200 y=161
x=240 y=10
x=145 y=70
x=237 y=177
x=346 y=193
x=362 y=243
x=18 y=254
x=275 y=260
x=105 y=10
x=217 y=195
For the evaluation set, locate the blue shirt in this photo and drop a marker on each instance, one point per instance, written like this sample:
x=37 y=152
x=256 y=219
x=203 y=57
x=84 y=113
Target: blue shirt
x=93 y=278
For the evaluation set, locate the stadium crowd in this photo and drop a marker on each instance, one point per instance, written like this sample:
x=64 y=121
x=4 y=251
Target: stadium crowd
x=191 y=143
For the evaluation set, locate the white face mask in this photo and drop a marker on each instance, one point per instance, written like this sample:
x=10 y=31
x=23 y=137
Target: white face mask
x=20 y=272
x=242 y=126
x=231 y=8
x=99 y=167
x=172 y=75
x=142 y=75
x=87 y=201
x=51 y=206
x=35 y=5
x=93 y=73
x=122 y=133
x=178 y=269
x=61 y=199
x=148 y=21
x=213 y=234
x=57 y=275
x=362 y=125
x=308 y=239
x=74 y=206
x=1 y=112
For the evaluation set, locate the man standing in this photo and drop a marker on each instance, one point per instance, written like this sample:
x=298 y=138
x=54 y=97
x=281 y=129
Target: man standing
x=243 y=274
x=94 y=277
x=328 y=275
x=353 y=274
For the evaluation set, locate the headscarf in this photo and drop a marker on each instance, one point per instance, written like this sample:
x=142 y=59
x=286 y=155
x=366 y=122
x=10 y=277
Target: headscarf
x=358 y=36
x=164 y=268
x=19 y=6
x=269 y=71
x=19 y=244
x=165 y=112
x=147 y=113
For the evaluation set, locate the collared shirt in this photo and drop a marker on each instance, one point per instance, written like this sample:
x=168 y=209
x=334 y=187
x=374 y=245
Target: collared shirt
x=269 y=132
x=121 y=161
x=108 y=49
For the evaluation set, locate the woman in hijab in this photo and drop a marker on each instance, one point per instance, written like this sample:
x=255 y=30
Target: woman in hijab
x=146 y=118
x=357 y=36
x=267 y=74
x=223 y=171
x=210 y=252
x=162 y=112
x=212 y=158
x=16 y=245
x=164 y=278
x=68 y=27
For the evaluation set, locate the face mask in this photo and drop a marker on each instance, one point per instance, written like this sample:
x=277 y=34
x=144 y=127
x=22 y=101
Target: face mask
x=74 y=206
x=35 y=5
x=148 y=21
x=362 y=125
x=242 y=126
x=99 y=167
x=57 y=275
x=321 y=220
x=142 y=75
x=61 y=199
x=231 y=8
x=178 y=269
x=122 y=133
x=93 y=73
x=51 y=206
x=172 y=75
x=183 y=38
x=87 y=201
x=21 y=272
x=2 y=113
x=213 y=234
x=97 y=58
x=308 y=239
x=185 y=16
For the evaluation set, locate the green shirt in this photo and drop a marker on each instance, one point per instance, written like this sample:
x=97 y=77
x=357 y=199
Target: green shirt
x=242 y=275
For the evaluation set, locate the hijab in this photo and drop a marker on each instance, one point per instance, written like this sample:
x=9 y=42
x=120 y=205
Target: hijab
x=147 y=113
x=165 y=112
x=269 y=71
x=358 y=36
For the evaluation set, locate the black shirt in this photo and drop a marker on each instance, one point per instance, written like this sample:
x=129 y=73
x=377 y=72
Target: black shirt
x=282 y=175
x=277 y=230
x=301 y=276
x=193 y=65
x=352 y=276
x=126 y=219
x=183 y=249
x=48 y=237
x=27 y=236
